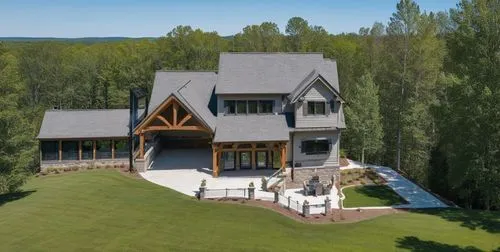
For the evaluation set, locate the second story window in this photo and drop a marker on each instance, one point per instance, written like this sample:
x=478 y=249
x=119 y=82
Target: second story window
x=266 y=107
x=229 y=107
x=252 y=107
x=244 y=107
x=241 y=107
x=316 y=108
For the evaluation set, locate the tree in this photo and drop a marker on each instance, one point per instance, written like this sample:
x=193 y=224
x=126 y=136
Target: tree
x=16 y=144
x=297 y=29
x=470 y=123
x=363 y=118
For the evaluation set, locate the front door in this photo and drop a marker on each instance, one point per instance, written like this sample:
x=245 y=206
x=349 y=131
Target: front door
x=245 y=160
x=261 y=158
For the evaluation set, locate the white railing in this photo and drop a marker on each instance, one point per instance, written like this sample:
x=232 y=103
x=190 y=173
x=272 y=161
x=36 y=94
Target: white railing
x=289 y=203
x=274 y=179
x=226 y=193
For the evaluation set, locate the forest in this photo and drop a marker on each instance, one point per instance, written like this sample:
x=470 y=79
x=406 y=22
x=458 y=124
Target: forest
x=422 y=91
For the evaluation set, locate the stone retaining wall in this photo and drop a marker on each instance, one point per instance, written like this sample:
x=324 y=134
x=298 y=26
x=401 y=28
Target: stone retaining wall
x=84 y=163
x=302 y=174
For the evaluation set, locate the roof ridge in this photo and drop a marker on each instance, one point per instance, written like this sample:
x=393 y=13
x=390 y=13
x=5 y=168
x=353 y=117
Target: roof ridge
x=271 y=52
x=72 y=110
x=186 y=71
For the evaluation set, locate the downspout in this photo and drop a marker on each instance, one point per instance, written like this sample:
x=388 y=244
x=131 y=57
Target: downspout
x=293 y=155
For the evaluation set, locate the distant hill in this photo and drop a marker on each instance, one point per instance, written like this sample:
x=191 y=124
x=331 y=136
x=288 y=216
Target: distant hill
x=75 y=40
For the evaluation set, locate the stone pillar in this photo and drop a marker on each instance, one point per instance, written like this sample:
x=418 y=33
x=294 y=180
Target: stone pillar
x=251 y=191
x=306 y=209
x=276 y=197
x=328 y=206
x=203 y=189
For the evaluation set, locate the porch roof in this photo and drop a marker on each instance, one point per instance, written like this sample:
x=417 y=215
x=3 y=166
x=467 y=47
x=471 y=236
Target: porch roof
x=251 y=128
x=102 y=123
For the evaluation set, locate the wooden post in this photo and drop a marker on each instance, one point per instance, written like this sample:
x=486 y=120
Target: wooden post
x=80 y=150
x=141 y=146
x=60 y=150
x=215 y=167
x=237 y=153
x=112 y=148
x=283 y=155
x=93 y=149
x=254 y=165
x=175 y=106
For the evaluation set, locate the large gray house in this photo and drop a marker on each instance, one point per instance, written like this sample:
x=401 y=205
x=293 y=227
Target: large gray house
x=259 y=111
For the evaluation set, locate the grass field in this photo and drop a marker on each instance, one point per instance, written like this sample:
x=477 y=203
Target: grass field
x=372 y=195
x=105 y=210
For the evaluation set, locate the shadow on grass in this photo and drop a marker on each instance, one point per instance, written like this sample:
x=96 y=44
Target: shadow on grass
x=381 y=192
x=472 y=219
x=9 y=197
x=413 y=243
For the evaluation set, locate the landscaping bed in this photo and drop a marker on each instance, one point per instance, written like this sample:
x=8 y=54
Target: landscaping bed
x=366 y=176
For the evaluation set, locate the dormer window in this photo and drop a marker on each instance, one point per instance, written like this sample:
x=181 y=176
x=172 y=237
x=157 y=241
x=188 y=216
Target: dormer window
x=266 y=107
x=316 y=107
x=244 y=107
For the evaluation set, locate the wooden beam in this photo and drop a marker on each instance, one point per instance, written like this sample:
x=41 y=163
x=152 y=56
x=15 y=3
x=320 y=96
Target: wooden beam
x=158 y=128
x=161 y=118
x=153 y=115
x=93 y=149
x=80 y=150
x=175 y=107
x=112 y=149
x=184 y=120
x=215 y=166
x=60 y=150
x=141 y=146
x=283 y=156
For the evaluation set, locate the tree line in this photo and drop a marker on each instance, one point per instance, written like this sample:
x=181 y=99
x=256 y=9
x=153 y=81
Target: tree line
x=422 y=91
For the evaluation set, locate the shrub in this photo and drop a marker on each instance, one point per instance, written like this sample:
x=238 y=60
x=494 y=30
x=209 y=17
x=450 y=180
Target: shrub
x=363 y=182
x=343 y=153
x=74 y=168
x=90 y=167
x=43 y=173
x=203 y=183
x=349 y=172
x=56 y=171
x=349 y=181
x=108 y=166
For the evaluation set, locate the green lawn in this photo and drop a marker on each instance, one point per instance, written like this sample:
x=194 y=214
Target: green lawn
x=105 y=210
x=371 y=195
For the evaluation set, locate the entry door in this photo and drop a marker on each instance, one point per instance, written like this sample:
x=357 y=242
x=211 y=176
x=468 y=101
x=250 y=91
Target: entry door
x=261 y=158
x=229 y=160
x=245 y=160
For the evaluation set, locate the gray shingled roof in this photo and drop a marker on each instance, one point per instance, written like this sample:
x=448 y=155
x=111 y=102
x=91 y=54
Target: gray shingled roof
x=60 y=124
x=251 y=128
x=193 y=89
x=278 y=73
x=305 y=85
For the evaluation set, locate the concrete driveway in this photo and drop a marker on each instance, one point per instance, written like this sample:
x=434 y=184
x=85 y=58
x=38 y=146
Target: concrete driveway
x=183 y=170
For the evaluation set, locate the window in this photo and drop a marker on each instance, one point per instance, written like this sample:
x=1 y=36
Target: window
x=229 y=160
x=315 y=108
x=87 y=150
x=315 y=147
x=229 y=107
x=50 y=150
x=266 y=107
x=241 y=107
x=103 y=149
x=70 y=150
x=121 y=148
x=252 y=107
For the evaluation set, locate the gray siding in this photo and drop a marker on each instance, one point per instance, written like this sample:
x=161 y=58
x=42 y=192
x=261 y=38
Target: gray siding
x=278 y=102
x=317 y=92
x=328 y=159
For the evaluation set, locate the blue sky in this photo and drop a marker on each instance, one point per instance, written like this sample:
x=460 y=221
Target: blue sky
x=153 y=18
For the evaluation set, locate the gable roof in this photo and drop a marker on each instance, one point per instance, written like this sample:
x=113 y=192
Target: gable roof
x=306 y=84
x=103 y=123
x=193 y=89
x=269 y=73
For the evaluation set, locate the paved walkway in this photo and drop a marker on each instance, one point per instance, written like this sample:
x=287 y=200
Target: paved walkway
x=415 y=195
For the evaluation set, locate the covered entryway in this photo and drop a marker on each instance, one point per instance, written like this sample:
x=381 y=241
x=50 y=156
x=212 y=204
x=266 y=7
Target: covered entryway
x=174 y=137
